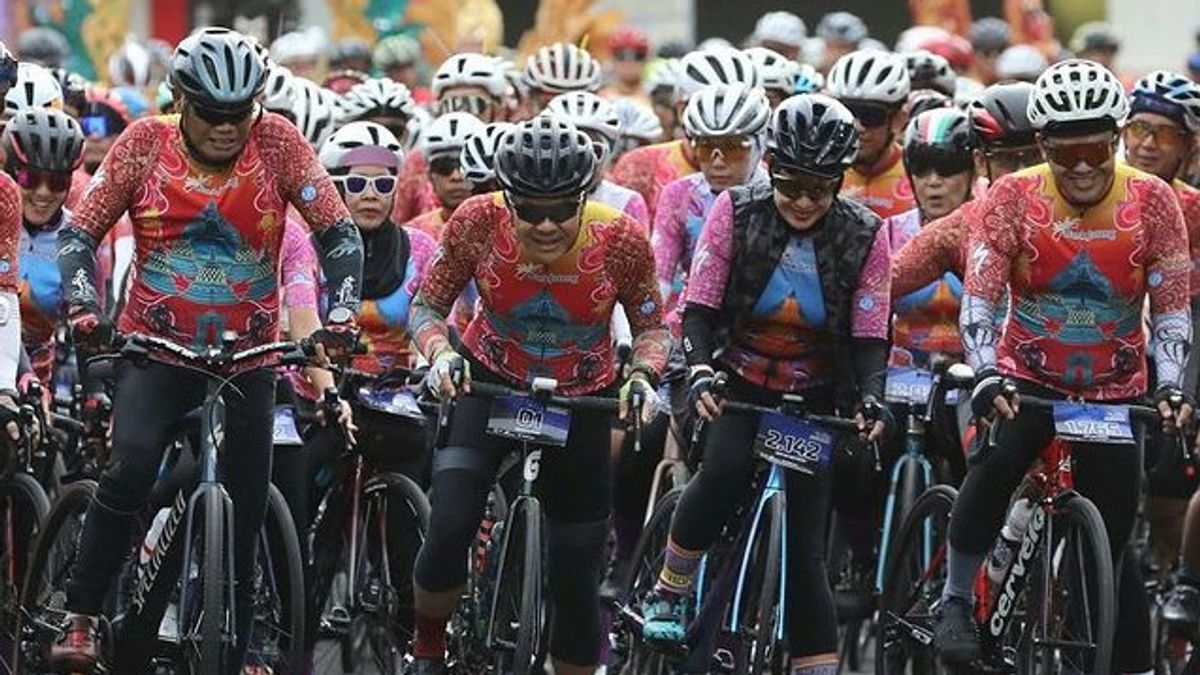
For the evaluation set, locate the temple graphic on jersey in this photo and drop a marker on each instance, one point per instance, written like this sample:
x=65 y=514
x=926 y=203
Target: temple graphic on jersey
x=1081 y=307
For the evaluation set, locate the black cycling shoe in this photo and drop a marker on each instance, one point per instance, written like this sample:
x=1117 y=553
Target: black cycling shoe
x=1183 y=606
x=954 y=637
x=426 y=667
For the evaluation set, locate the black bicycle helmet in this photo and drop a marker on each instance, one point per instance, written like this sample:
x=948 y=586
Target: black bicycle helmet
x=218 y=68
x=813 y=133
x=545 y=157
x=991 y=35
x=945 y=131
x=999 y=117
x=44 y=139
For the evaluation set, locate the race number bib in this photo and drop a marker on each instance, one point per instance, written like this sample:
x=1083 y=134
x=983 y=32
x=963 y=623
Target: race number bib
x=1092 y=423
x=524 y=418
x=285 y=426
x=793 y=443
x=910 y=386
x=400 y=402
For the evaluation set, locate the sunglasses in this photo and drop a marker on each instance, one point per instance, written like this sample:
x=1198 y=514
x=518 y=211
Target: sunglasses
x=469 y=103
x=1166 y=136
x=1069 y=155
x=870 y=115
x=445 y=165
x=943 y=162
x=795 y=186
x=1015 y=159
x=628 y=55
x=30 y=179
x=218 y=118
x=356 y=184
x=101 y=125
x=555 y=212
x=733 y=149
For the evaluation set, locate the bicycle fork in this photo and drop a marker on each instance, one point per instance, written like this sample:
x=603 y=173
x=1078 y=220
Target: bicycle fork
x=912 y=454
x=774 y=489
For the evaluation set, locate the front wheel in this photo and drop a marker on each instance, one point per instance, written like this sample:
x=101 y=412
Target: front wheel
x=767 y=649
x=206 y=645
x=23 y=509
x=519 y=609
x=277 y=634
x=645 y=565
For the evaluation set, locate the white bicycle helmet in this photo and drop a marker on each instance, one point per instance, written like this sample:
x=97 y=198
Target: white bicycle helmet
x=637 y=121
x=36 y=87
x=927 y=70
x=842 y=27
x=129 y=65
x=782 y=27
x=808 y=80
x=296 y=46
x=1169 y=94
x=562 y=67
x=279 y=91
x=471 y=70
x=417 y=124
x=1077 y=90
x=315 y=109
x=361 y=143
x=588 y=112
x=775 y=71
x=1020 y=62
x=449 y=133
x=661 y=74
x=715 y=66
x=478 y=157
x=726 y=110
x=378 y=97
x=869 y=76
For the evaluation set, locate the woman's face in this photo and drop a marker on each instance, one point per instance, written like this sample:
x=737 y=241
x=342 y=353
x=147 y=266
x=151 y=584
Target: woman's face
x=42 y=194
x=803 y=199
x=938 y=195
x=546 y=228
x=368 y=192
x=726 y=161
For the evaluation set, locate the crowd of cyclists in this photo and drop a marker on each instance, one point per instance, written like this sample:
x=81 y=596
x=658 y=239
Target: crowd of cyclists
x=671 y=229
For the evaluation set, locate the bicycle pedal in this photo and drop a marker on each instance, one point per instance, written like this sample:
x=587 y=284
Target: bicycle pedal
x=371 y=597
x=336 y=622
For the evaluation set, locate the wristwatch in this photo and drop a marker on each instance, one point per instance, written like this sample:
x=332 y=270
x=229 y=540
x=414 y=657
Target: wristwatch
x=340 y=315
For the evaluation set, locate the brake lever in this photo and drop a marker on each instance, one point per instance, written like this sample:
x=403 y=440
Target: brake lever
x=637 y=399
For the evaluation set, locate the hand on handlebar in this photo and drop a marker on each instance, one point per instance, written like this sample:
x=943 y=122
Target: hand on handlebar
x=649 y=398
x=703 y=394
x=870 y=420
x=345 y=415
x=91 y=331
x=10 y=415
x=994 y=396
x=1174 y=407
x=448 y=374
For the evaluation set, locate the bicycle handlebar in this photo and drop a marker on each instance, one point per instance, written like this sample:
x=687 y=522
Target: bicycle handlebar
x=137 y=345
x=790 y=405
x=1146 y=414
x=598 y=403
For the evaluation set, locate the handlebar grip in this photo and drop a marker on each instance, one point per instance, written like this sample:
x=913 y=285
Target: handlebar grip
x=719 y=384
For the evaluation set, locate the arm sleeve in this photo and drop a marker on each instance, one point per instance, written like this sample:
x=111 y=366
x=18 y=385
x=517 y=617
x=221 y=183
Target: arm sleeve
x=989 y=265
x=700 y=333
x=872 y=299
x=714 y=251
x=923 y=260
x=667 y=240
x=10 y=339
x=1167 y=273
x=466 y=238
x=10 y=233
x=631 y=265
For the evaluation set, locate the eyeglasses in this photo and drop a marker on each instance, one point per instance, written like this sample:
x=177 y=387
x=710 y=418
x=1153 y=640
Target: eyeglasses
x=444 y=165
x=733 y=149
x=795 y=186
x=469 y=103
x=1094 y=153
x=30 y=179
x=944 y=162
x=1009 y=160
x=356 y=184
x=216 y=118
x=556 y=211
x=1165 y=136
x=101 y=125
x=870 y=115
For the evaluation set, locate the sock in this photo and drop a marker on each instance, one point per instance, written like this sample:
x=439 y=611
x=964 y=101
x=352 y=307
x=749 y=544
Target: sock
x=816 y=669
x=679 y=568
x=961 y=569
x=430 y=639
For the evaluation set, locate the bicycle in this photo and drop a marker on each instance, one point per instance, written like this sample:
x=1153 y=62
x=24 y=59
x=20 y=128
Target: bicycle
x=195 y=578
x=1055 y=608
x=352 y=536
x=506 y=600
x=739 y=624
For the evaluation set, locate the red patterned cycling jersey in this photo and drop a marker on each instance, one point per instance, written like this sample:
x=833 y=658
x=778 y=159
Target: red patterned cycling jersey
x=884 y=188
x=207 y=243
x=646 y=170
x=79 y=181
x=939 y=247
x=925 y=320
x=1189 y=203
x=1078 y=280
x=10 y=233
x=544 y=319
x=414 y=192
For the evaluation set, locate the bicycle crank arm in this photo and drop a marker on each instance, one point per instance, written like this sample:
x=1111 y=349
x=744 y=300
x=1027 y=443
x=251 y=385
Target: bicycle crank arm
x=917 y=632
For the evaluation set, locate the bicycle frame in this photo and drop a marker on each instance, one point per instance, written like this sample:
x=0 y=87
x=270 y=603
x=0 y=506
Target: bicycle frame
x=531 y=467
x=773 y=488
x=914 y=444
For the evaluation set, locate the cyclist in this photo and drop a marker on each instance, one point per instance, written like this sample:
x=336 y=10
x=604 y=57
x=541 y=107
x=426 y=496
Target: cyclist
x=398 y=56
x=781 y=32
x=1087 y=220
x=314 y=110
x=811 y=320
x=647 y=170
x=874 y=86
x=778 y=74
x=176 y=177
x=43 y=148
x=35 y=87
x=10 y=312
x=557 y=69
x=479 y=157
x=542 y=254
x=382 y=101
x=840 y=33
x=990 y=36
x=1004 y=142
x=639 y=127
x=442 y=143
x=630 y=48
x=597 y=118
x=351 y=54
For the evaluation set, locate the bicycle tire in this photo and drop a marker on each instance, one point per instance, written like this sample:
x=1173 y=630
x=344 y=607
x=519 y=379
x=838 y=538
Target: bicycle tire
x=279 y=558
x=1078 y=511
x=522 y=551
x=895 y=651
x=768 y=652
x=212 y=652
x=382 y=628
x=642 y=658
x=23 y=489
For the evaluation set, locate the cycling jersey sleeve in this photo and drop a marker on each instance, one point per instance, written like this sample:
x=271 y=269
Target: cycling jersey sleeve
x=936 y=249
x=421 y=249
x=988 y=267
x=10 y=338
x=125 y=170
x=710 y=265
x=10 y=232
x=1167 y=270
x=667 y=238
x=299 y=271
x=872 y=300
x=636 y=208
x=465 y=240
x=630 y=264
